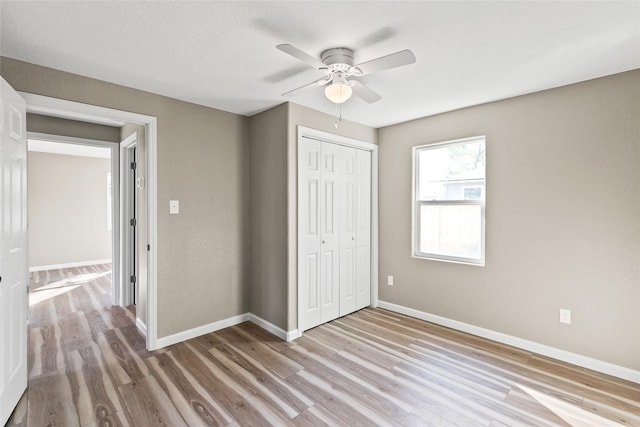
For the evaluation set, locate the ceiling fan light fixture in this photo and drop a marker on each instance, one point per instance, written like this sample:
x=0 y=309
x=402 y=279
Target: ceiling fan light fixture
x=337 y=64
x=338 y=92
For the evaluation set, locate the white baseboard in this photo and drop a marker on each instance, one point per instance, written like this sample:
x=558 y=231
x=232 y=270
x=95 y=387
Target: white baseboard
x=292 y=335
x=221 y=324
x=141 y=326
x=565 y=356
x=275 y=330
x=268 y=326
x=69 y=265
x=201 y=330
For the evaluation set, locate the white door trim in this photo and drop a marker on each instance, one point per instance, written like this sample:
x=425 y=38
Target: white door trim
x=95 y=114
x=305 y=132
x=116 y=284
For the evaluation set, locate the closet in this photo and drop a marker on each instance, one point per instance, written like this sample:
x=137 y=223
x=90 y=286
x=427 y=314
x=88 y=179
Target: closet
x=334 y=231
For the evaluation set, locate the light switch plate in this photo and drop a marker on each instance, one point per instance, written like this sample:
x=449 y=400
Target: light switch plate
x=174 y=207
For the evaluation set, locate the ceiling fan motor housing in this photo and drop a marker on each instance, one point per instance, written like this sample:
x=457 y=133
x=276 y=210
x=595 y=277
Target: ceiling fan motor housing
x=338 y=58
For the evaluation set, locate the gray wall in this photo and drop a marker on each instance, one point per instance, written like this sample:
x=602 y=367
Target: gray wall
x=202 y=161
x=64 y=127
x=67 y=209
x=268 y=213
x=562 y=219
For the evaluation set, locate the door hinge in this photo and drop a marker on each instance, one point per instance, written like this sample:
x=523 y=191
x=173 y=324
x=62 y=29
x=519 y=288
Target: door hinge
x=133 y=165
x=133 y=222
x=133 y=279
x=148 y=248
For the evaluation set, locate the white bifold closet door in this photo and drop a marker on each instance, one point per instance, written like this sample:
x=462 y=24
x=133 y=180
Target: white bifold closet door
x=363 y=229
x=334 y=229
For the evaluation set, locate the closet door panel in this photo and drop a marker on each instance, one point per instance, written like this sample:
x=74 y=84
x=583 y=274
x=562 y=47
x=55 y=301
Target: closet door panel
x=348 y=274
x=331 y=171
x=309 y=251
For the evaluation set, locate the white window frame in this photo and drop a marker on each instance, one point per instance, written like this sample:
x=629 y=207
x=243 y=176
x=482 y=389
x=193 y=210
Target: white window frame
x=416 y=204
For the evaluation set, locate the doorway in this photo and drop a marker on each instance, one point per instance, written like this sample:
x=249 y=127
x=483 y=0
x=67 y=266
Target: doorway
x=72 y=213
x=101 y=115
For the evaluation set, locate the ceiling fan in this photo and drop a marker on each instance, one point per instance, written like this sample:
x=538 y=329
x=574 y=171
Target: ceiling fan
x=341 y=79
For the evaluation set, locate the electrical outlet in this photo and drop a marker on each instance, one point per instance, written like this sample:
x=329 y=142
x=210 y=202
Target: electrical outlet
x=565 y=316
x=390 y=280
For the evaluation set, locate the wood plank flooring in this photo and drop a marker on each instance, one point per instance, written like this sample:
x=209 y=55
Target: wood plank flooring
x=88 y=366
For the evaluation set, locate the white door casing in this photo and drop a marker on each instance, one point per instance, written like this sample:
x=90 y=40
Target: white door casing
x=363 y=233
x=14 y=269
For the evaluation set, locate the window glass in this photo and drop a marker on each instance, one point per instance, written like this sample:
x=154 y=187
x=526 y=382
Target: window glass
x=451 y=230
x=445 y=172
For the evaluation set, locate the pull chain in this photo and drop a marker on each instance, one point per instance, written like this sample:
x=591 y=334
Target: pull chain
x=339 y=114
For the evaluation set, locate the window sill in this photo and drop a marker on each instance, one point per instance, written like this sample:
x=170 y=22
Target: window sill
x=452 y=261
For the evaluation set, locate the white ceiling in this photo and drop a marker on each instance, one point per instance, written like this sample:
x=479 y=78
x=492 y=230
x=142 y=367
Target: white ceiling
x=223 y=55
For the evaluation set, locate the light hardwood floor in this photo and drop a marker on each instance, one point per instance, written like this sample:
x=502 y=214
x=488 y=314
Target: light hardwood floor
x=88 y=366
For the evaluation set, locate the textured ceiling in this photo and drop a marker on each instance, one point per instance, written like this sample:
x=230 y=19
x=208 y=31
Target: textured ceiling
x=223 y=55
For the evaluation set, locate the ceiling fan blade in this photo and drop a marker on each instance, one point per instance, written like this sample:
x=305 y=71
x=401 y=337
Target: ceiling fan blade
x=320 y=82
x=301 y=55
x=398 y=59
x=364 y=93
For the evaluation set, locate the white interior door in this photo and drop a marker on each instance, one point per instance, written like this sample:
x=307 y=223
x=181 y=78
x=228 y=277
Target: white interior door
x=14 y=308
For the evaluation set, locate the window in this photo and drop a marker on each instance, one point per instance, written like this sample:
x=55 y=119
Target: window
x=449 y=196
